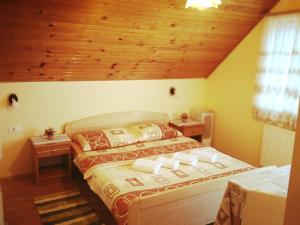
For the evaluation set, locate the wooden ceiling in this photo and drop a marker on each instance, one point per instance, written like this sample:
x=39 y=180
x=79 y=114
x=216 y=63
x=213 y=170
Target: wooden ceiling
x=62 y=40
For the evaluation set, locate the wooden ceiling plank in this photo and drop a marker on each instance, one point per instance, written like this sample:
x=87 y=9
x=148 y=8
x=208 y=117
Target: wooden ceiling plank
x=115 y=40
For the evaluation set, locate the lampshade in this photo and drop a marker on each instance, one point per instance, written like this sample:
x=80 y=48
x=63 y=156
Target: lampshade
x=200 y=4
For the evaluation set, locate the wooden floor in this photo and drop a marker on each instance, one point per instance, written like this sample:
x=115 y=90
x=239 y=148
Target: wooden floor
x=18 y=193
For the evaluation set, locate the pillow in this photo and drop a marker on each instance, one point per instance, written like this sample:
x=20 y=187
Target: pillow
x=80 y=139
x=152 y=131
x=104 y=139
x=169 y=132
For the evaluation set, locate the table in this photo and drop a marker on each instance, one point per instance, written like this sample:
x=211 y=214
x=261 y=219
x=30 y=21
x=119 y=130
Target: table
x=256 y=198
x=189 y=128
x=43 y=148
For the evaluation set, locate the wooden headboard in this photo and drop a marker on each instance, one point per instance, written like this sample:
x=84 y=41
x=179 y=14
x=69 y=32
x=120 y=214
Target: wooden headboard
x=111 y=120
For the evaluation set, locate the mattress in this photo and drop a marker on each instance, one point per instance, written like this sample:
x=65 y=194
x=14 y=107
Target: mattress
x=111 y=177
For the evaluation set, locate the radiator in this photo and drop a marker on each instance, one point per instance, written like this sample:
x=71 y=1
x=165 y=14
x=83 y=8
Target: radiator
x=277 y=146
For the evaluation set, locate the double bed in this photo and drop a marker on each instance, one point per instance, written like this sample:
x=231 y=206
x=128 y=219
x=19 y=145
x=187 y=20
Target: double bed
x=185 y=196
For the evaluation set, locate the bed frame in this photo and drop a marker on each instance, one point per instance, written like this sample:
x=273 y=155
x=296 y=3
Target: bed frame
x=192 y=205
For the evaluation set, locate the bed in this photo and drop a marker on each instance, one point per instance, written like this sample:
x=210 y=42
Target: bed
x=186 y=196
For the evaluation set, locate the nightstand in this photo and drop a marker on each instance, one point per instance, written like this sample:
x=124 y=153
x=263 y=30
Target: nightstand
x=189 y=128
x=44 y=148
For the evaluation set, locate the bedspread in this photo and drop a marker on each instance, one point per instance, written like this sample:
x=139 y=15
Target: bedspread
x=110 y=175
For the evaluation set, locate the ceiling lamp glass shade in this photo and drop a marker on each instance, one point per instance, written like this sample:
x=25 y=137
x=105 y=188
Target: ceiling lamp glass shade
x=200 y=4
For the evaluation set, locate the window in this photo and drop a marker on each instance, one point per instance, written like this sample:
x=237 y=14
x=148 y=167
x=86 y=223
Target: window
x=278 y=81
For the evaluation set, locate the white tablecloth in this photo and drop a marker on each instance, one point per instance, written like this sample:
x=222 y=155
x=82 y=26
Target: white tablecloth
x=257 y=198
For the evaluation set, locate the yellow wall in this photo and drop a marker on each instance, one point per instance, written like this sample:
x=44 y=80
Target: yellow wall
x=286 y=5
x=230 y=92
x=53 y=104
x=292 y=215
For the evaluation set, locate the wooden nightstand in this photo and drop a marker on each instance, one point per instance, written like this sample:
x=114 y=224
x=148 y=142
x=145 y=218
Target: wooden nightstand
x=43 y=148
x=189 y=128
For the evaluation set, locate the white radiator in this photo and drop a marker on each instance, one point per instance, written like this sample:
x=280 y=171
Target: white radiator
x=277 y=146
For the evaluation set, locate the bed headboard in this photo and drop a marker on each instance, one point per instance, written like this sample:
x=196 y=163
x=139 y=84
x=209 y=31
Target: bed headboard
x=111 y=120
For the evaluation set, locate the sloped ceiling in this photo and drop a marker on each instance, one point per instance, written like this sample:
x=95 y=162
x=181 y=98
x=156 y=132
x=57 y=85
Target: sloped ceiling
x=56 y=40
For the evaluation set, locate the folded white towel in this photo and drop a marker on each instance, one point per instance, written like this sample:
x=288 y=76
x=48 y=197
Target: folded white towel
x=169 y=162
x=209 y=157
x=185 y=158
x=147 y=165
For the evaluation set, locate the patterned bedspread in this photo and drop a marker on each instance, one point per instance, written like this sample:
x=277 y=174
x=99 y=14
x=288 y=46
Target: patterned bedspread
x=110 y=175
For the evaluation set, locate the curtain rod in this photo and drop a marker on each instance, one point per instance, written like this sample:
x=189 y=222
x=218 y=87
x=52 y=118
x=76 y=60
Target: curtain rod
x=283 y=12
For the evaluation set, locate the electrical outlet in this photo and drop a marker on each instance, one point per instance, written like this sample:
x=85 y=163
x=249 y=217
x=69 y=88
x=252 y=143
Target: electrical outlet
x=15 y=128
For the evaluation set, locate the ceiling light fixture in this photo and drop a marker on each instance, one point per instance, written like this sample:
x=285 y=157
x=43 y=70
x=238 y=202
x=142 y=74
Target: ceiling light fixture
x=201 y=4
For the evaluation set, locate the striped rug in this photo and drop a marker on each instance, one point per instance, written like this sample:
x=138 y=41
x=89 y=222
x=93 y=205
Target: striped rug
x=65 y=208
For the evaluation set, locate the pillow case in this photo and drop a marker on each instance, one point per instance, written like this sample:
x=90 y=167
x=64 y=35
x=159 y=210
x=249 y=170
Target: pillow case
x=104 y=139
x=152 y=131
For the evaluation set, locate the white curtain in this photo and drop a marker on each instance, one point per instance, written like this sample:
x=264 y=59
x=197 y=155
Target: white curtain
x=278 y=81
